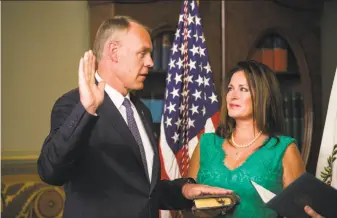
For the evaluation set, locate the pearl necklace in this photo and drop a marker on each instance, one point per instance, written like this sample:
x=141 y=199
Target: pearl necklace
x=245 y=145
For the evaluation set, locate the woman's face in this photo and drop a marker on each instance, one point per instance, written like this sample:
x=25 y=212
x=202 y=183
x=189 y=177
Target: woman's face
x=239 y=99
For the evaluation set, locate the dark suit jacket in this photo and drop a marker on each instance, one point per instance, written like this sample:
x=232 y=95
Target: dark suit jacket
x=99 y=163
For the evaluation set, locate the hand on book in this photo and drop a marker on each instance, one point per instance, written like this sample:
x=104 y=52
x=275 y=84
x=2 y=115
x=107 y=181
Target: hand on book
x=311 y=212
x=190 y=191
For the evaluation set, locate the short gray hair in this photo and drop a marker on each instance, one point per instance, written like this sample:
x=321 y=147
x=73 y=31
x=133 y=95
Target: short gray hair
x=108 y=30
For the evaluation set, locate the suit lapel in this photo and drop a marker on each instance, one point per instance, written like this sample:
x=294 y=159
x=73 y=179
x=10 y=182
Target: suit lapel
x=146 y=122
x=109 y=112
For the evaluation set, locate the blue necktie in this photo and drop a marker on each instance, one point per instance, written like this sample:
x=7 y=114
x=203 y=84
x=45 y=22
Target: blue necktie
x=134 y=130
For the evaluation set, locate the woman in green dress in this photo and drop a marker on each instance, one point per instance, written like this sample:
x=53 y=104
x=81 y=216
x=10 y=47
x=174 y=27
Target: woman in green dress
x=248 y=145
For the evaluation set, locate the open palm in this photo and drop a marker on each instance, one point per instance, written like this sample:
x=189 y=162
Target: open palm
x=91 y=94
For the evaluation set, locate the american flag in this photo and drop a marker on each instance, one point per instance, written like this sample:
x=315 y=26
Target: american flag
x=191 y=105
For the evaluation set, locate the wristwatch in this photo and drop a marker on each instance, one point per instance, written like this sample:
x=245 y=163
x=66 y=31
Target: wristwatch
x=190 y=181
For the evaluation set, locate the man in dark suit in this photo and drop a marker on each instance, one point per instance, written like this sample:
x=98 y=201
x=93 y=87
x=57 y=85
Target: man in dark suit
x=101 y=145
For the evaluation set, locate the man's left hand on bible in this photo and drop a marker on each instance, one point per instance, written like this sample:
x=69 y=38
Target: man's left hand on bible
x=190 y=191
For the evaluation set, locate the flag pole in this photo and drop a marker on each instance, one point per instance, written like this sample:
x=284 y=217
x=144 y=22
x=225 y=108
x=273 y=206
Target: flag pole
x=191 y=106
x=223 y=40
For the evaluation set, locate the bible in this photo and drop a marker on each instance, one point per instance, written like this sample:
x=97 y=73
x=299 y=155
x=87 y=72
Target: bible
x=305 y=190
x=214 y=205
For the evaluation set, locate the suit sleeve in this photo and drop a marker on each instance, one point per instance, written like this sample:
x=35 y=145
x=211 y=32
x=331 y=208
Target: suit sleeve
x=70 y=127
x=171 y=197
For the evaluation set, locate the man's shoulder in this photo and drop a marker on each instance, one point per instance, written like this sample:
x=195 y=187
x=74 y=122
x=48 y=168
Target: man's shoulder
x=72 y=93
x=70 y=96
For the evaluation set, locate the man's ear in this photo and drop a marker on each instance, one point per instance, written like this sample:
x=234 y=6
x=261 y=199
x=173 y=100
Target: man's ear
x=113 y=47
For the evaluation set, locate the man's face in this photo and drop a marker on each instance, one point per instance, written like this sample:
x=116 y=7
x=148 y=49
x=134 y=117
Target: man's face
x=134 y=57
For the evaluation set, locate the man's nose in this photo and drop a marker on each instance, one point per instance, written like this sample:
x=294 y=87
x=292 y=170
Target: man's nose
x=149 y=62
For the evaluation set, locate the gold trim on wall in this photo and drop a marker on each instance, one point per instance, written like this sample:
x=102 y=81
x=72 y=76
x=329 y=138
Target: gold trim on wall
x=26 y=157
x=23 y=193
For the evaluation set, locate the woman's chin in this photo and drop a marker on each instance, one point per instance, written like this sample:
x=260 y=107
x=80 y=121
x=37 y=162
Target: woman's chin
x=234 y=115
x=238 y=116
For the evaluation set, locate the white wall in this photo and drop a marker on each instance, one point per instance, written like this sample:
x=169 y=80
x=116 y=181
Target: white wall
x=329 y=51
x=42 y=42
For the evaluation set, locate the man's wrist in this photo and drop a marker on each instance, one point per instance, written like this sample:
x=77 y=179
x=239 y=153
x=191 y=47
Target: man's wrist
x=188 y=182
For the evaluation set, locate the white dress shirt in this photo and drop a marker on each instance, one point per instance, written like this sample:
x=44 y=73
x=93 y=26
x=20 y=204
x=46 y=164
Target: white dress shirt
x=118 y=99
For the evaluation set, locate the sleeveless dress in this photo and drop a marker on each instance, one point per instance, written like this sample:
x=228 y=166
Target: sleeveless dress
x=264 y=167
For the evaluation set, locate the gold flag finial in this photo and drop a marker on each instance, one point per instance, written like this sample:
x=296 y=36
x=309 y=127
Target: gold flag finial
x=197 y=2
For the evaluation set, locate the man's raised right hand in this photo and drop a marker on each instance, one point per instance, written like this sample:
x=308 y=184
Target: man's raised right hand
x=91 y=95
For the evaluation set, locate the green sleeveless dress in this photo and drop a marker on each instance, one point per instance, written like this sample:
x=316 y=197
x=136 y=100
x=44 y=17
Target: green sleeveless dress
x=264 y=167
